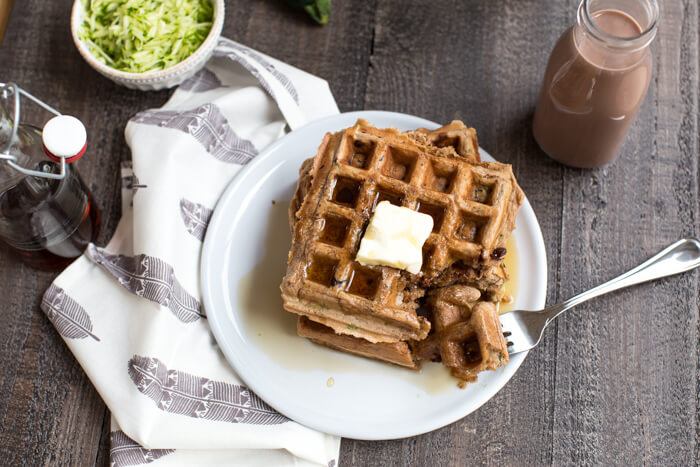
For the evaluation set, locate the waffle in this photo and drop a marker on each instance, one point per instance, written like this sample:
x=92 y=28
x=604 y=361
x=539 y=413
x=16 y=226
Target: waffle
x=324 y=283
x=371 y=310
x=398 y=353
x=466 y=335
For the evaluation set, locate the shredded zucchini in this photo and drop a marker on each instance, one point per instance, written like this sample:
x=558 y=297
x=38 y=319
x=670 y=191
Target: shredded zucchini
x=145 y=35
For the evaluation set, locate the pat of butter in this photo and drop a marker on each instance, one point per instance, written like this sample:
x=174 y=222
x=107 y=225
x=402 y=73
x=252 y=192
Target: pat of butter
x=395 y=237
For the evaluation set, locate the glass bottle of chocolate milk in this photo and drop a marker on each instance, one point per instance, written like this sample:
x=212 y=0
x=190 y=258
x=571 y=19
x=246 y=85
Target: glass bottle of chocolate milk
x=596 y=79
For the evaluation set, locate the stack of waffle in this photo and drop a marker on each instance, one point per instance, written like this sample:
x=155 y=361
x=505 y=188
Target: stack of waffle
x=447 y=311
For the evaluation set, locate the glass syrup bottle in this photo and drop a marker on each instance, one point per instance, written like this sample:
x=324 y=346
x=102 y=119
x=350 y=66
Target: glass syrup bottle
x=47 y=214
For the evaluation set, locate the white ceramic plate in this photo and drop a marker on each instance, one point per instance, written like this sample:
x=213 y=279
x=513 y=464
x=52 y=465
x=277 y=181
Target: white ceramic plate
x=243 y=261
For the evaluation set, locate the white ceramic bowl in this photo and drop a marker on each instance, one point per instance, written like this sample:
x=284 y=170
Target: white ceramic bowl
x=151 y=80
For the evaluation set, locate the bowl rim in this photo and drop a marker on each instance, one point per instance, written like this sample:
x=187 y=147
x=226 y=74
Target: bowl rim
x=149 y=76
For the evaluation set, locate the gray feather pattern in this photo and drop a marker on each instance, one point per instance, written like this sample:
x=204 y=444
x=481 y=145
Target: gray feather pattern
x=203 y=80
x=194 y=396
x=70 y=319
x=208 y=126
x=232 y=55
x=151 y=278
x=195 y=217
x=125 y=451
x=228 y=49
x=278 y=75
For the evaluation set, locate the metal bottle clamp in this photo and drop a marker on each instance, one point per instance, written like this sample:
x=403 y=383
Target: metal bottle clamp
x=8 y=90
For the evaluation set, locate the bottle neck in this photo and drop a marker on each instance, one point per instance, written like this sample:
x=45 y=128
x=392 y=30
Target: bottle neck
x=615 y=34
x=608 y=23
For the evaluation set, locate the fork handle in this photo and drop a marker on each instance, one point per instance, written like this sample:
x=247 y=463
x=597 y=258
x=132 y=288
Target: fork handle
x=678 y=257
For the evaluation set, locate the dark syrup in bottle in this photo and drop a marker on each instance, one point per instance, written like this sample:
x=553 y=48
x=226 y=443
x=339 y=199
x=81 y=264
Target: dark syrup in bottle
x=51 y=221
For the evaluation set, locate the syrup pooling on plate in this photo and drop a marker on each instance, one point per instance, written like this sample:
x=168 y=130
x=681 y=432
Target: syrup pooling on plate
x=512 y=265
x=274 y=331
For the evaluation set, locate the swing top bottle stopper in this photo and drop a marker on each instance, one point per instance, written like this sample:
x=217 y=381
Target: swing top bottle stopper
x=64 y=136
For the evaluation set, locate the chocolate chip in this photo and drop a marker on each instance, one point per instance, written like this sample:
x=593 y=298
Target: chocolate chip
x=498 y=253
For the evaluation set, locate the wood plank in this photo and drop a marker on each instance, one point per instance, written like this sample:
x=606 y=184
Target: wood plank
x=104 y=445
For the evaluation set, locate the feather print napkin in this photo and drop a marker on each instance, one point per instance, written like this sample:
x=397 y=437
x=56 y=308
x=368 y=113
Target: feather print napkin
x=132 y=314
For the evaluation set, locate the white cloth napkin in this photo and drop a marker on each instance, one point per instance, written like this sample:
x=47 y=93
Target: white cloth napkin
x=132 y=313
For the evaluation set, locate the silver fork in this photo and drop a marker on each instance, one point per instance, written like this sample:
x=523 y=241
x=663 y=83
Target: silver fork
x=523 y=329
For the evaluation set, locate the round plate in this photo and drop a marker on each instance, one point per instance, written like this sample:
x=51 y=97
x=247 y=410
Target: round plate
x=243 y=262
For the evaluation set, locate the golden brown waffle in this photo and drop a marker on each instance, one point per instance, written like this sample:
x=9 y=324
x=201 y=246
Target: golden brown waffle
x=324 y=282
x=466 y=335
x=371 y=310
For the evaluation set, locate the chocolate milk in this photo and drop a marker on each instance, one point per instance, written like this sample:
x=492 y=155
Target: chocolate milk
x=595 y=81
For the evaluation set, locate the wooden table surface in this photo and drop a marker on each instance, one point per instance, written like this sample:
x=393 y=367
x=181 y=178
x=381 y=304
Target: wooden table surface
x=615 y=380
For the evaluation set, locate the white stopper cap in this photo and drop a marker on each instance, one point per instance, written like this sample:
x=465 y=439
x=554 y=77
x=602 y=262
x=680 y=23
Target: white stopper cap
x=64 y=136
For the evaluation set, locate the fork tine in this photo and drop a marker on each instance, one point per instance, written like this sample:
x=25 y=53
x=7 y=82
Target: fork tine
x=516 y=332
x=506 y=334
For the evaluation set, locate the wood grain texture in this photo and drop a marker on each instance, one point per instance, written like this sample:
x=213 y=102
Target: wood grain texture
x=615 y=380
